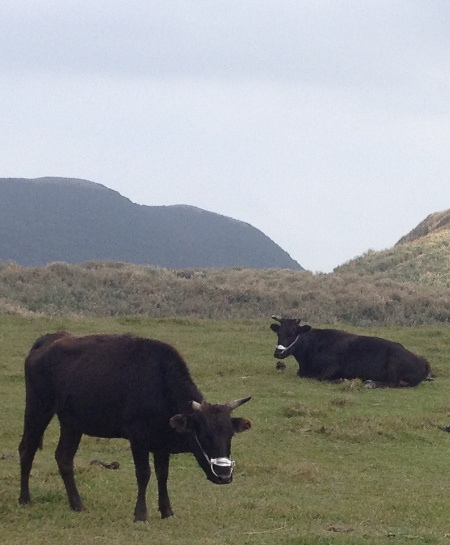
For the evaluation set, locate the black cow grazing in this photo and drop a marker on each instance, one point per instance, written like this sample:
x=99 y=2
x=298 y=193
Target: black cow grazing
x=125 y=387
x=330 y=354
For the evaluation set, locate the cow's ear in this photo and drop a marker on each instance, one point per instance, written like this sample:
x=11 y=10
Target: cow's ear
x=275 y=327
x=181 y=423
x=241 y=424
x=304 y=328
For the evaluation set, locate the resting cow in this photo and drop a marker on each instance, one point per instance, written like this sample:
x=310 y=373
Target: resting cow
x=330 y=354
x=125 y=387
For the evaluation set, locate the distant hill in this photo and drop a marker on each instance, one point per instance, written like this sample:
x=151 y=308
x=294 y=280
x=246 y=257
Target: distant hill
x=46 y=220
x=422 y=256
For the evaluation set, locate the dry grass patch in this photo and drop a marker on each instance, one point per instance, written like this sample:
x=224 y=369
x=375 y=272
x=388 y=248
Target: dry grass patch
x=342 y=401
x=298 y=409
x=352 y=385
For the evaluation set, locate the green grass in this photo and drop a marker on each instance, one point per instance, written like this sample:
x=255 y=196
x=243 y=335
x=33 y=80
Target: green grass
x=323 y=463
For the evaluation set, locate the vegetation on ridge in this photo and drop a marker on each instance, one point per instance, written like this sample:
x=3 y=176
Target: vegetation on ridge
x=117 y=289
x=422 y=260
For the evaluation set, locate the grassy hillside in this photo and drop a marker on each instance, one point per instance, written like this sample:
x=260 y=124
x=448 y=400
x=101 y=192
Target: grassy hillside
x=421 y=257
x=119 y=289
x=323 y=463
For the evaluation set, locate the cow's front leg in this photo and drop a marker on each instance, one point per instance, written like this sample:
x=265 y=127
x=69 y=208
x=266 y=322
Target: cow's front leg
x=161 y=461
x=69 y=441
x=142 y=469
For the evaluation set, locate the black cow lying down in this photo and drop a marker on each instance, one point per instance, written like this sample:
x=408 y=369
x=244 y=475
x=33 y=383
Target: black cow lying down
x=125 y=387
x=330 y=354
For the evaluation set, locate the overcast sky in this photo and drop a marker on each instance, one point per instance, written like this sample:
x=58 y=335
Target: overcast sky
x=323 y=123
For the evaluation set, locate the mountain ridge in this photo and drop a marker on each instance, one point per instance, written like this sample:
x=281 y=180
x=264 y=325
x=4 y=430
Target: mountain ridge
x=432 y=223
x=74 y=220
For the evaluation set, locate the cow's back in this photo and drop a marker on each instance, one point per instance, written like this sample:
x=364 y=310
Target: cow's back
x=367 y=358
x=102 y=384
x=40 y=347
x=320 y=348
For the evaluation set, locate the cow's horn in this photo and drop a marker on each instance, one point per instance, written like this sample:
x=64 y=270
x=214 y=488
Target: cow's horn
x=195 y=406
x=238 y=402
x=275 y=317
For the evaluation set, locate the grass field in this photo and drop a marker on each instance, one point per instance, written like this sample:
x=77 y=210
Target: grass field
x=323 y=463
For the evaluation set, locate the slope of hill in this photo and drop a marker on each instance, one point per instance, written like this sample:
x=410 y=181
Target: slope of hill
x=60 y=219
x=422 y=256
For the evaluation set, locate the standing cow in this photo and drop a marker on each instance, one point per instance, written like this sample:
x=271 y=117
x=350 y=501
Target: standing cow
x=330 y=354
x=124 y=387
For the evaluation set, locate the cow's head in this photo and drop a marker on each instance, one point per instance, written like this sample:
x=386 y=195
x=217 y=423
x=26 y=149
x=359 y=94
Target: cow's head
x=211 y=428
x=288 y=331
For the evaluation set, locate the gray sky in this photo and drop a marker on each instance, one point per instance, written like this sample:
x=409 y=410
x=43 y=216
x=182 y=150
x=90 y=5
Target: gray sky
x=323 y=123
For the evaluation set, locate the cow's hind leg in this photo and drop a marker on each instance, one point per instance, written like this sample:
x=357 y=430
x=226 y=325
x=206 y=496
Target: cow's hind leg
x=35 y=424
x=395 y=377
x=142 y=468
x=69 y=441
x=161 y=461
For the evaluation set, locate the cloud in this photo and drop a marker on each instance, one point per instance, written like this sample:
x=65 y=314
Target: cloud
x=345 y=42
x=325 y=124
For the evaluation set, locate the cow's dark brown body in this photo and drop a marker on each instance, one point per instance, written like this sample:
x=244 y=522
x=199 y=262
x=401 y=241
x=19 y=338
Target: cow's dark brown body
x=331 y=354
x=124 y=387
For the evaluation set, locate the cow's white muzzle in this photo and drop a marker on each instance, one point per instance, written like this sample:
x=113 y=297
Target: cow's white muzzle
x=224 y=466
x=281 y=349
